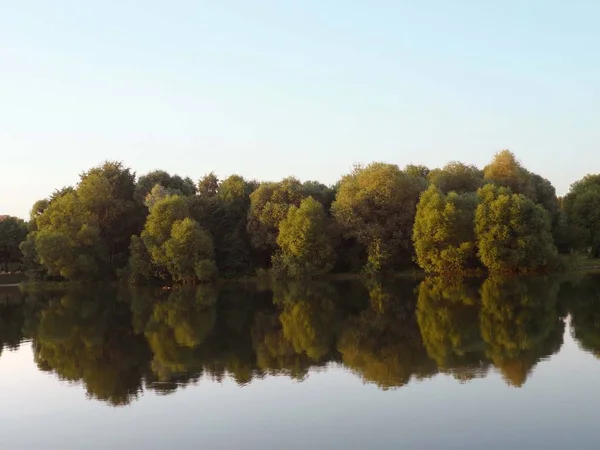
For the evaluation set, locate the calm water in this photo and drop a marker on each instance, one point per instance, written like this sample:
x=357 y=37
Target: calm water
x=494 y=364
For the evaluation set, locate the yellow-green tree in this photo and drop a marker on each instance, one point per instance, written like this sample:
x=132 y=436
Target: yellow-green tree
x=269 y=205
x=582 y=210
x=174 y=243
x=457 y=177
x=376 y=206
x=513 y=233
x=305 y=245
x=84 y=233
x=190 y=252
x=443 y=233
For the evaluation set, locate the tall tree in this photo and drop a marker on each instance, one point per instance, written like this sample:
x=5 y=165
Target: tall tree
x=181 y=186
x=84 y=233
x=513 y=233
x=443 y=234
x=582 y=210
x=13 y=231
x=505 y=170
x=190 y=252
x=376 y=206
x=269 y=205
x=305 y=247
x=175 y=243
x=457 y=177
x=208 y=186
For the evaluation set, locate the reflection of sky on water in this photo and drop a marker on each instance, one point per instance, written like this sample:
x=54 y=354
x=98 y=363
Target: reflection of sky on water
x=557 y=408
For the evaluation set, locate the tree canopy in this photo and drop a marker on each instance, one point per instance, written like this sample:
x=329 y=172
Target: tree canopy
x=375 y=220
x=376 y=205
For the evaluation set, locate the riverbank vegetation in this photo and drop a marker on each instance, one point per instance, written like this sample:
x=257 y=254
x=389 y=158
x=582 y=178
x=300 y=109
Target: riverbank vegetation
x=376 y=220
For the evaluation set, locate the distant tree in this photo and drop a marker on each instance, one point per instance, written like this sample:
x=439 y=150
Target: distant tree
x=140 y=266
x=582 y=212
x=190 y=252
x=305 y=247
x=233 y=252
x=174 y=243
x=376 y=206
x=443 y=233
x=183 y=186
x=457 y=177
x=513 y=233
x=84 y=233
x=325 y=195
x=208 y=186
x=13 y=231
x=417 y=171
x=107 y=193
x=505 y=170
x=158 y=193
x=68 y=240
x=269 y=204
x=159 y=224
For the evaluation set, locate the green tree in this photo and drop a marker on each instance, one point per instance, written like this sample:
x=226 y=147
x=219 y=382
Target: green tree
x=457 y=177
x=417 y=171
x=376 y=206
x=106 y=192
x=513 y=233
x=208 y=186
x=13 y=231
x=304 y=241
x=159 y=224
x=505 y=170
x=443 y=233
x=190 y=252
x=582 y=210
x=269 y=205
x=84 y=233
x=68 y=241
x=181 y=186
x=175 y=244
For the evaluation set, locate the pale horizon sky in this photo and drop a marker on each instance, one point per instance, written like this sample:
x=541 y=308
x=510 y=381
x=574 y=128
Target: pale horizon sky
x=276 y=88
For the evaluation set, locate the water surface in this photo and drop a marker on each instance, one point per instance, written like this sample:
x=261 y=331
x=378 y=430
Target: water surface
x=435 y=364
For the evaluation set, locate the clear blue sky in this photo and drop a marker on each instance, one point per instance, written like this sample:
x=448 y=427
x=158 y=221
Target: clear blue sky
x=273 y=88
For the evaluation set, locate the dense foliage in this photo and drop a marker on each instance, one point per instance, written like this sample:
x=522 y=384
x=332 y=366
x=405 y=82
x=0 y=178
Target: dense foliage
x=375 y=220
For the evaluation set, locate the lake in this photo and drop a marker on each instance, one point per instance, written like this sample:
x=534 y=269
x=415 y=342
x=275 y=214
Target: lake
x=501 y=363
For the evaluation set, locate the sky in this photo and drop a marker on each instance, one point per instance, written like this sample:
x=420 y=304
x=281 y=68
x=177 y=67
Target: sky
x=273 y=88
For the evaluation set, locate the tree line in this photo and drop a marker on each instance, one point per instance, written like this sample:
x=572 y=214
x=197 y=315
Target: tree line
x=375 y=220
x=118 y=342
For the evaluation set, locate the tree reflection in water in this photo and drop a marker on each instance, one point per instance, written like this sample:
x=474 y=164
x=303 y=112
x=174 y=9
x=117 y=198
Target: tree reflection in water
x=120 y=342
